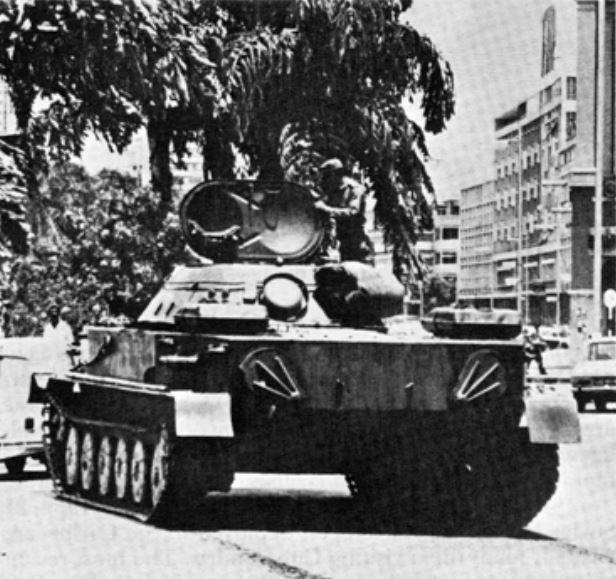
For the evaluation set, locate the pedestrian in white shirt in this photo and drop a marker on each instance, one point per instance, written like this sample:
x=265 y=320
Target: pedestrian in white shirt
x=60 y=337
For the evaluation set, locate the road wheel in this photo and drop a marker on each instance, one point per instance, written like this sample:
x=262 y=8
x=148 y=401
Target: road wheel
x=71 y=457
x=105 y=466
x=600 y=405
x=138 y=473
x=15 y=466
x=121 y=468
x=159 y=474
x=87 y=461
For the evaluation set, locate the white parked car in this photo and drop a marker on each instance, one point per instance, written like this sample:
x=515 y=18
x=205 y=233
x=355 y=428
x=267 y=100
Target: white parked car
x=594 y=378
x=21 y=422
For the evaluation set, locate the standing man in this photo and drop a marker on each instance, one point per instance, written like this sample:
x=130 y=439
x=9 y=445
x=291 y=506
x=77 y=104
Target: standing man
x=343 y=201
x=59 y=336
x=533 y=349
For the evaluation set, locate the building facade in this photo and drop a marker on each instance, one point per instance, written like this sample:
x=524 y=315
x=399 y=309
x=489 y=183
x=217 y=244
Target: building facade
x=593 y=172
x=442 y=255
x=476 y=272
x=532 y=215
x=524 y=263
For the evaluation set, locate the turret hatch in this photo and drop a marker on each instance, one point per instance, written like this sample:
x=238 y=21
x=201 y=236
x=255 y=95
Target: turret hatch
x=251 y=221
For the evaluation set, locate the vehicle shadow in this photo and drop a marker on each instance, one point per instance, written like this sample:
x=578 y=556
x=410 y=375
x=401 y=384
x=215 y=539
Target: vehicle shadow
x=24 y=476
x=607 y=410
x=321 y=514
x=277 y=513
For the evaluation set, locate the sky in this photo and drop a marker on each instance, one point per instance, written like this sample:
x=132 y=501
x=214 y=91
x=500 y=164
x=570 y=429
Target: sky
x=494 y=48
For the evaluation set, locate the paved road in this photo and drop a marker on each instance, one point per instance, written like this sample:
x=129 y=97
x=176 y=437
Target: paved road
x=299 y=527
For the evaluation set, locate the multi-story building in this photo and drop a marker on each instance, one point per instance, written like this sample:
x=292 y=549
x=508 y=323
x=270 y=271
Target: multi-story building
x=438 y=249
x=476 y=271
x=536 y=146
x=592 y=175
x=443 y=256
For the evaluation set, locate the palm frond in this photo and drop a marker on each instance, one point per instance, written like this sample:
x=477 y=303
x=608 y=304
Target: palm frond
x=250 y=64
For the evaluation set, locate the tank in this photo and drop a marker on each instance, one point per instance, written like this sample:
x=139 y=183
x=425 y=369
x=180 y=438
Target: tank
x=255 y=357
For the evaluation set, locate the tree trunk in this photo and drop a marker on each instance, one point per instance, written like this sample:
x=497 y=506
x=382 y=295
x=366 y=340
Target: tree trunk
x=218 y=159
x=32 y=163
x=22 y=103
x=159 y=141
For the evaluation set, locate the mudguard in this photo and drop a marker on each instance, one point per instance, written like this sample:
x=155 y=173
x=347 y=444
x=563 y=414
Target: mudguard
x=551 y=413
x=202 y=414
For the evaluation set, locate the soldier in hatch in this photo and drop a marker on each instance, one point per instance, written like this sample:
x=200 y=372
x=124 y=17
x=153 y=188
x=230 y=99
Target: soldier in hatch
x=342 y=200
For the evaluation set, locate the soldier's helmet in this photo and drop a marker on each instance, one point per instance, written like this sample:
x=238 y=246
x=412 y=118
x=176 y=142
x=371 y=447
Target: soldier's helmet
x=331 y=166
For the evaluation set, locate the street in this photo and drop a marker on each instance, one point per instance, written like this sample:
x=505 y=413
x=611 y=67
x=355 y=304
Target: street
x=300 y=527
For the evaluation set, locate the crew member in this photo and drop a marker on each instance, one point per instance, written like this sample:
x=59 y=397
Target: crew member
x=343 y=201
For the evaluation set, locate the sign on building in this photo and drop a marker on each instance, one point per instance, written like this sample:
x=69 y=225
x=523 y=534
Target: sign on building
x=549 y=41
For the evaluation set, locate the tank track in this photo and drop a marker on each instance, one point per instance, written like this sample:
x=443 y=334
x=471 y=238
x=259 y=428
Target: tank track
x=142 y=473
x=490 y=486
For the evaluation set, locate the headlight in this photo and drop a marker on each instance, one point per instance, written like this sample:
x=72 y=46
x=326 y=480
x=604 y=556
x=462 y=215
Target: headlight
x=285 y=297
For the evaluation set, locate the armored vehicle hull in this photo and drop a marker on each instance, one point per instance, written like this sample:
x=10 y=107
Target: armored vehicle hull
x=290 y=368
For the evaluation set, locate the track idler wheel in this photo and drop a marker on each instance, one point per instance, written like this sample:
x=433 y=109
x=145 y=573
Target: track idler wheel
x=159 y=473
x=105 y=466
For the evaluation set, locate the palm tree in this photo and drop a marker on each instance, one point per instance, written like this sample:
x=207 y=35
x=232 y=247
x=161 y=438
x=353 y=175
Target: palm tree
x=334 y=80
x=108 y=68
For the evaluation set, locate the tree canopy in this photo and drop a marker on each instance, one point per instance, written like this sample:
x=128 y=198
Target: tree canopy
x=119 y=249
x=333 y=83
x=280 y=85
x=106 y=67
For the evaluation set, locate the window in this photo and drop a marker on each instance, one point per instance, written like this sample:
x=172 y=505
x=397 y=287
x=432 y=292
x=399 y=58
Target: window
x=449 y=258
x=455 y=209
x=602 y=351
x=441 y=210
x=427 y=257
x=571 y=129
x=568 y=156
x=531 y=193
x=571 y=88
x=450 y=233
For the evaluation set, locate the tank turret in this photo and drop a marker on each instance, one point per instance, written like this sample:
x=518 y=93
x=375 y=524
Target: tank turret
x=257 y=356
x=258 y=244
